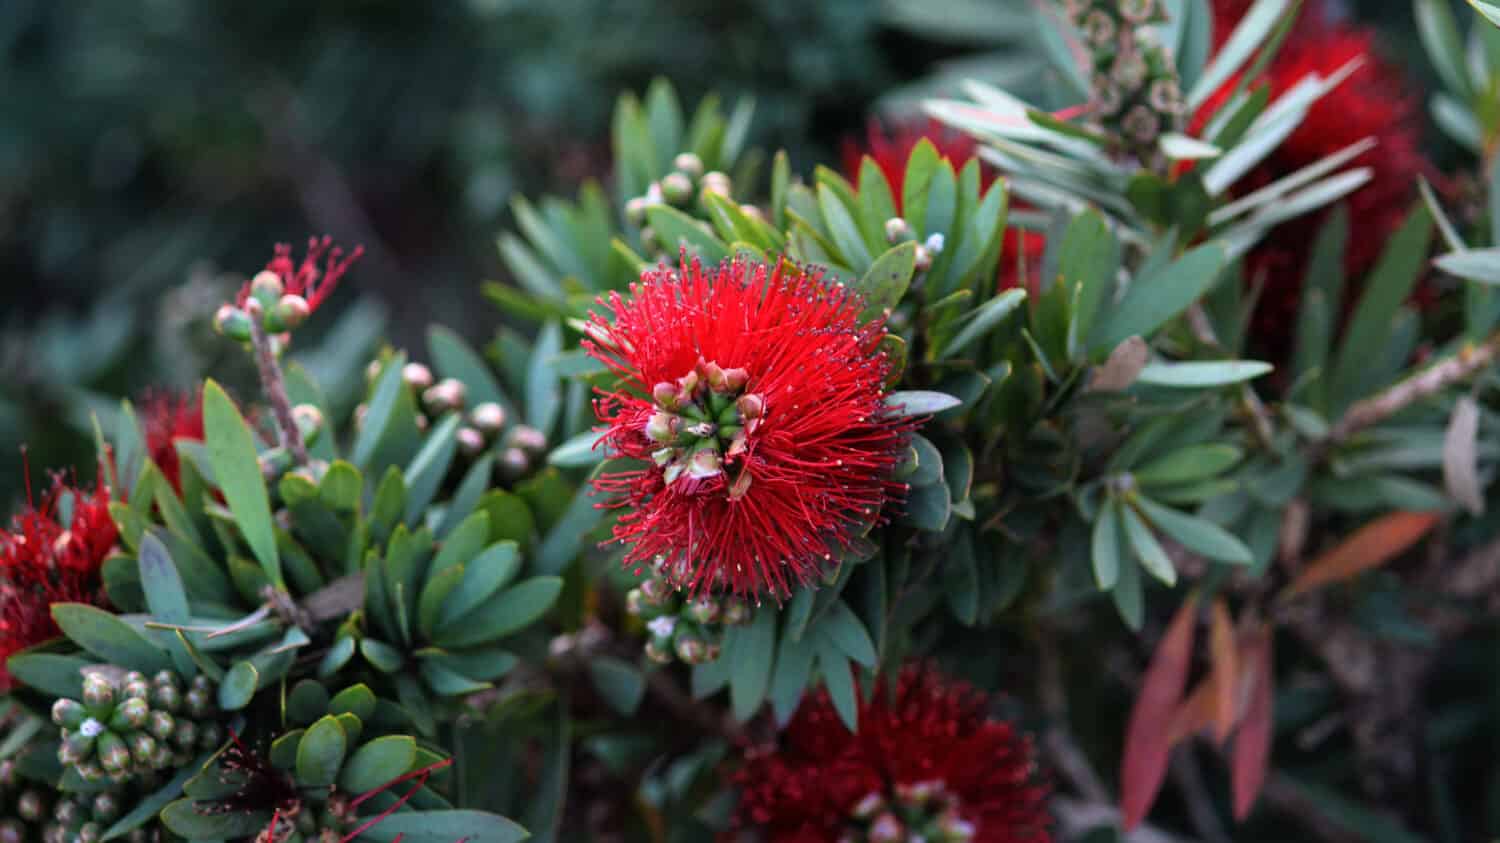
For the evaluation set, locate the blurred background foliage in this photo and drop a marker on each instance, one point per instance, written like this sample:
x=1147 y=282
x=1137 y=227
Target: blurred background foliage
x=151 y=153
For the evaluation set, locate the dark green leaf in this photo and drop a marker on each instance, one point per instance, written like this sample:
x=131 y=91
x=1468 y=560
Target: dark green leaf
x=111 y=639
x=231 y=452
x=238 y=686
x=621 y=684
x=321 y=753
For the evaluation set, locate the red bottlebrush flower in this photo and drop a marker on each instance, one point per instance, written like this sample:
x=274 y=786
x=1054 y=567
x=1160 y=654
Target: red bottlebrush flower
x=1374 y=102
x=755 y=397
x=306 y=279
x=168 y=418
x=926 y=764
x=44 y=561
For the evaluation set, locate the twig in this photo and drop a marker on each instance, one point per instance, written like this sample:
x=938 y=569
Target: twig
x=1430 y=381
x=274 y=384
x=1189 y=778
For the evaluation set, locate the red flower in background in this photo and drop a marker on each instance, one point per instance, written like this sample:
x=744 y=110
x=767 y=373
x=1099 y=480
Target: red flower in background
x=1373 y=102
x=755 y=398
x=891 y=149
x=926 y=761
x=45 y=561
x=306 y=279
x=169 y=417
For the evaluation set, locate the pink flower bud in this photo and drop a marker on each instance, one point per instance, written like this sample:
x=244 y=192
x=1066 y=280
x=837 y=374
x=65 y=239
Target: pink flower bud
x=416 y=375
x=292 y=310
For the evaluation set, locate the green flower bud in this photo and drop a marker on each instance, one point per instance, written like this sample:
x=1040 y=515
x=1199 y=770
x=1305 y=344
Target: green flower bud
x=273 y=463
x=78 y=746
x=677 y=188
x=129 y=715
x=689 y=164
x=447 y=394
x=659 y=652
x=89 y=771
x=753 y=212
x=656 y=592
x=163 y=757
x=290 y=311
x=690 y=649
x=68 y=713
x=136 y=686
x=665 y=395
x=166 y=697
x=470 y=442
x=717 y=182
x=923 y=260
x=416 y=376
x=98 y=692
x=309 y=421
x=897 y=229
x=210 y=735
x=199 y=703
x=736 y=612
x=267 y=286
x=67 y=812
x=702 y=610
x=186 y=733
x=705 y=461
x=31 y=806
x=106 y=806
x=114 y=755
x=750 y=406
x=635 y=602
x=142 y=748
x=90 y=833
x=231 y=322
x=635 y=211
x=663 y=427
x=161 y=725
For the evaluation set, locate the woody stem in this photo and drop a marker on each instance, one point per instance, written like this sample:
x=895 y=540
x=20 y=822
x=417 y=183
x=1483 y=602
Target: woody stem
x=273 y=383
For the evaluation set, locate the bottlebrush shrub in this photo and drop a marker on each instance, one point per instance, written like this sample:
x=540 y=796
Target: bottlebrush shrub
x=652 y=563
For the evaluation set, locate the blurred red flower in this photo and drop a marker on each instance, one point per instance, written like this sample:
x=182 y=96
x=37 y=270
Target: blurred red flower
x=168 y=417
x=754 y=396
x=51 y=554
x=926 y=764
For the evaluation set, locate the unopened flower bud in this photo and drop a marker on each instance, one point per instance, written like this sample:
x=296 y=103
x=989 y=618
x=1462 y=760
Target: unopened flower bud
x=106 y=806
x=309 y=421
x=886 y=829
x=447 y=394
x=635 y=211
x=703 y=610
x=209 y=735
x=867 y=807
x=656 y=591
x=688 y=163
x=648 y=240
x=291 y=311
x=114 y=756
x=665 y=396
x=691 y=649
x=635 y=602
x=662 y=627
x=135 y=685
x=143 y=748
x=528 y=439
x=663 y=427
x=233 y=323
x=67 y=812
x=470 y=442
x=736 y=612
x=76 y=746
x=89 y=833
x=267 y=287
x=677 y=188
x=488 y=418
x=186 y=733
x=661 y=653
x=896 y=230
x=199 y=703
x=751 y=406
x=416 y=376
x=923 y=260
x=274 y=463
x=90 y=771
x=161 y=725
x=97 y=691
x=68 y=713
x=717 y=182
x=705 y=462
x=934 y=243
x=129 y=715
x=31 y=806
x=514 y=462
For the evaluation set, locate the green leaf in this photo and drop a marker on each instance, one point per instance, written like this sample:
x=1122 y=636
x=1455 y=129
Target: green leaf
x=1490 y=11
x=789 y=679
x=581 y=451
x=428 y=468
x=165 y=597
x=1195 y=462
x=1195 y=534
x=844 y=230
x=1251 y=32
x=982 y=319
x=484 y=575
x=111 y=639
x=384 y=657
x=543 y=395
x=184 y=819
x=675 y=229
x=445 y=827
x=620 y=683
x=750 y=651
x=1147 y=549
x=838 y=678
x=1479 y=265
x=1152 y=299
x=888 y=278
x=357 y=700
x=848 y=633
x=440 y=585
x=1202 y=374
x=49 y=673
x=514 y=609
x=320 y=755
x=920 y=402
x=929 y=507
x=377 y=763
x=238 y=686
x=231 y=453
x=453 y=358
x=929 y=468
x=146 y=809
x=960 y=582
x=566 y=538
x=1104 y=547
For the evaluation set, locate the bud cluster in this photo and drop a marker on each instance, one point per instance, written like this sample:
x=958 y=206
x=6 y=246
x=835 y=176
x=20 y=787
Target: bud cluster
x=686 y=188
x=1136 y=96
x=924 y=811
x=31 y=813
x=898 y=230
x=125 y=727
x=521 y=448
x=268 y=303
x=701 y=423
x=690 y=629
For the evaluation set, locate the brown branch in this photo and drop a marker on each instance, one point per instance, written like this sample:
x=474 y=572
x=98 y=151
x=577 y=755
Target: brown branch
x=273 y=383
x=1426 y=383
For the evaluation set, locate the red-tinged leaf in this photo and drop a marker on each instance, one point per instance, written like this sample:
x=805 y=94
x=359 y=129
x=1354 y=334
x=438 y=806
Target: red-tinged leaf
x=1226 y=670
x=1371 y=546
x=1195 y=713
x=1252 y=743
x=1148 y=737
